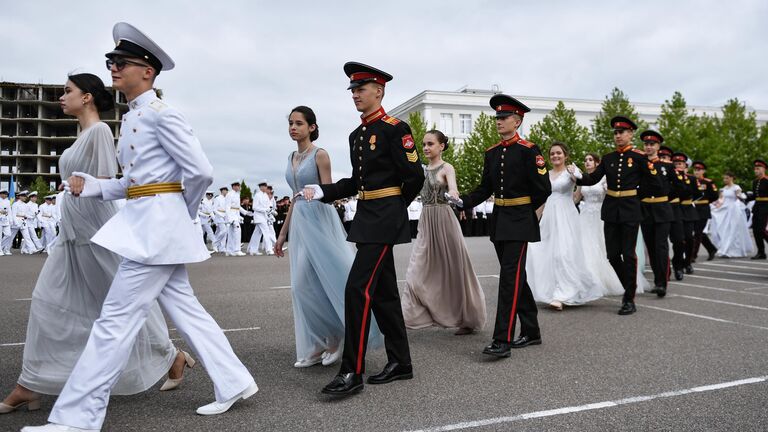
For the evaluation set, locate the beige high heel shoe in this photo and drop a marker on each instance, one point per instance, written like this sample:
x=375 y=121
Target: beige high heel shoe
x=32 y=405
x=172 y=383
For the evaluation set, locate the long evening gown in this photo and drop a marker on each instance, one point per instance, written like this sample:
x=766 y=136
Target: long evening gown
x=320 y=259
x=728 y=228
x=441 y=287
x=557 y=270
x=74 y=282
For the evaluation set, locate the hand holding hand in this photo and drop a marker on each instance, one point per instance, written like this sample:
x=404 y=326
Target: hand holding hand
x=82 y=185
x=453 y=198
x=312 y=191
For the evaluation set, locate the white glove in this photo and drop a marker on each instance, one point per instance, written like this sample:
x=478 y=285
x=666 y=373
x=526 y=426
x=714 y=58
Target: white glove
x=318 y=191
x=458 y=202
x=91 y=187
x=574 y=171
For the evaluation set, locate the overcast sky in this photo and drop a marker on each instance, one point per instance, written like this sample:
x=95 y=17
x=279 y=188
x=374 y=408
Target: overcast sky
x=242 y=65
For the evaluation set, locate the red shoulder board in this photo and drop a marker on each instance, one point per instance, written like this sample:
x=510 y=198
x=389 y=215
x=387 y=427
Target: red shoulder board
x=525 y=143
x=707 y=180
x=390 y=120
x=540 y=161
x=638 y=151
x=650 y=165
x=408 y=142
x=493 y=146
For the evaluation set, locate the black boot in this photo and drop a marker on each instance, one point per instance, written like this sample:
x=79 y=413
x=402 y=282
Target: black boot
x=661 y=291
x=524 y=341
x=498 y=349
x=760 y=255
x=678 y=274
x=344 y=384
x=711 y=256
x=627 y=308
x=689 y=269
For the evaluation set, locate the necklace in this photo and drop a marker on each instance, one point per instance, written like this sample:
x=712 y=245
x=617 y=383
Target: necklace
x=301 y=155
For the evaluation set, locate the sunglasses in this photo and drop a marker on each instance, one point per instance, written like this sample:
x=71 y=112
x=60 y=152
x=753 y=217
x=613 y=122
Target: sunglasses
x=121 y=63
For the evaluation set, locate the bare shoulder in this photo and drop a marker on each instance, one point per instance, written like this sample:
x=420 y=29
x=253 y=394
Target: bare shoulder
x=448 y=167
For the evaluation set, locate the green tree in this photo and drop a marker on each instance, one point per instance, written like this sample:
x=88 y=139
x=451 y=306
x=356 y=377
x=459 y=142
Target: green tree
x=418 y=130
x=41 y=187
x=470 y=156
x=561 y=125
x=738 y=140
x=245 y=191
x=680 y=129
x=615 y=104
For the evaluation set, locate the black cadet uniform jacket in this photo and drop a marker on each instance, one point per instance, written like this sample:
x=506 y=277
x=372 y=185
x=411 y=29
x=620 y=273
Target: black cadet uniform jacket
x=383 y=155
x=513 y=170
x=655 y=197
x=760 y=190
x=687 y=194
x=707 y=193
x=623 y=169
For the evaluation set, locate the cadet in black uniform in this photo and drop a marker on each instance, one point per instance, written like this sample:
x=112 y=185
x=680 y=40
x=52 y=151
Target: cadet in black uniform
x=387 y=175
x=621 y=212
x=676 y=227
x=689 y=213
x=707 y=194
x=760 y=210
x=657 y=211
x=514 y=170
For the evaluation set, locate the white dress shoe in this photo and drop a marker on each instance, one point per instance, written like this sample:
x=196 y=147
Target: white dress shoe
x=238 y=253
x=172 y=383
x=331 y=358
x=50 y=427
x=32 y=405
x=214 y=408
x=303 y=363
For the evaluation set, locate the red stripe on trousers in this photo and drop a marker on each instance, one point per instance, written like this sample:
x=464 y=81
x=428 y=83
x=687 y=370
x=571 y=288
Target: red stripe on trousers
x=514 y=299
x=365 y=312
x=667 y=270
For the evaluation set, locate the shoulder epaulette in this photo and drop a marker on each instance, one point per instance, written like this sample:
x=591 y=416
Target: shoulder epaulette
x=158 y=105
x=525 y=143
x=638 y=151
x=390 y=120
x=493 y=146
x=706 y=179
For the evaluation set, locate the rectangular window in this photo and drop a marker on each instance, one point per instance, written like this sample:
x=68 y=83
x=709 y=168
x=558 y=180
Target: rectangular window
x=446 y=123
x=465 y=123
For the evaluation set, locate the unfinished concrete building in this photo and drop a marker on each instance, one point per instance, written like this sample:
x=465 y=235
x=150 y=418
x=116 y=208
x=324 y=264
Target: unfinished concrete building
x=34 y=132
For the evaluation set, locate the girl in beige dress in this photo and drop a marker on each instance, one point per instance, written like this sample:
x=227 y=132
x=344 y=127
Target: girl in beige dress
x=441 y=286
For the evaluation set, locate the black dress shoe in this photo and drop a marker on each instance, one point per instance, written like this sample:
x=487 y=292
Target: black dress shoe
x=524 y=341
x=627 y=308
x=344 y=384
x=678 y=275
x=758 y=256
x=653 y=290
x=711 y=256
x=660 y=291
x=393 y=371
x=498 y=349
x=688 y=269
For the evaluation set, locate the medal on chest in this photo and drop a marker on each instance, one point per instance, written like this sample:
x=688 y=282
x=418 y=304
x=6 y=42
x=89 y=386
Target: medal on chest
x=372 y=142
x=629 y=162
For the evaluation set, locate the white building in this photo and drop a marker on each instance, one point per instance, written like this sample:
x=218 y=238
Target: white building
x=454 y=112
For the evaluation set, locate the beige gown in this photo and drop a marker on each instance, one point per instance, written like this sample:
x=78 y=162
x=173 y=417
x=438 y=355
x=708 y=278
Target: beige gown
x=441 y=286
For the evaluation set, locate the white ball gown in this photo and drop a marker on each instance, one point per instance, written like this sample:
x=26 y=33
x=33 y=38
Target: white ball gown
x=728 y=228
x=556 y=267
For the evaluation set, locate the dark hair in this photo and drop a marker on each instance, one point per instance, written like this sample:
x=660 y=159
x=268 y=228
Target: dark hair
x=90 y=83
x=311 y=119
x=595 y=157
x=562 y=146
x=729 y=174
x=441 y=138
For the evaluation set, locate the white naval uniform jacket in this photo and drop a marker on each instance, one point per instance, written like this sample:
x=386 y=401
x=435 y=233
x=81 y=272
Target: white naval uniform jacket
x=220 y=210
x=18 y=214
x=261 y=204
x=31 y=213
x=47 y=215
x=5 y=212
x=233 y=208
x=206 y=211
x=156 y=145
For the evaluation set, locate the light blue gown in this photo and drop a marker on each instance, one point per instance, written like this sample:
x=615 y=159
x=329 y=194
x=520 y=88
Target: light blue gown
x=320 y=259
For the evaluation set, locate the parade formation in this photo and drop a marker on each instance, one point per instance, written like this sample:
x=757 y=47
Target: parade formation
x=131 y=217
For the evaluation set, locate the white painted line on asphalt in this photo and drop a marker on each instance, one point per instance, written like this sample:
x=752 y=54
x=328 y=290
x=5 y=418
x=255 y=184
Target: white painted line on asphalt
x=746 y=291
x=756 y=288
x=721 y=302
x=280 y=287
x=701 y=316
x=732 y=272
x=724 y=280
x=592 y=406
x=749 y=261
x=730 y=266
x=12 y=344
x=24 y=299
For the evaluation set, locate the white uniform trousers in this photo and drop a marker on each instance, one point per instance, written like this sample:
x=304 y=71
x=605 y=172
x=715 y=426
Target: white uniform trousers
x=5 y=238
x=270 y=240
x=260 y=229
x=83 y=401
x=208 y=231
x=234 y=238
x=220 y=238
x=49 y=235
x=29 y=241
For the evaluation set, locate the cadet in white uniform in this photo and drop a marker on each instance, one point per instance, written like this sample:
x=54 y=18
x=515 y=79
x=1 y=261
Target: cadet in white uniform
x=5 y=223
x=261 y=204
x=47 y=219
x=34 y=245
x=269 y=242
x=221 y=220
x=234 y=211
x=19 y=222
x=206 y=217
x=154 y=234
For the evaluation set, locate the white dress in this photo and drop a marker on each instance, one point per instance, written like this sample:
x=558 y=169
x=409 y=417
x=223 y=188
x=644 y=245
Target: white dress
x=593 y=246
x=75 y=280
x=728 y=228
x=557 y=270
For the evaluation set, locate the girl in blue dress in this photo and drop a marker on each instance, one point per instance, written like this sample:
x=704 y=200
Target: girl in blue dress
x=320 y=256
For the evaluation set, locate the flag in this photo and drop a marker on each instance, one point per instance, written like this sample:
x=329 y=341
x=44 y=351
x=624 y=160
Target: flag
x=12 y=189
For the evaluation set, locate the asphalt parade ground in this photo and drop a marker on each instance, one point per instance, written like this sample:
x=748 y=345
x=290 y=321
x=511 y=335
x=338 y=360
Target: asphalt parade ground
x=693 y=361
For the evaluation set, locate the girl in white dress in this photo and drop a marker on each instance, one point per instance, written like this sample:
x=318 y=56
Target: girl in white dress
x=76 y=277
x=557 y=270
x=728 y=228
